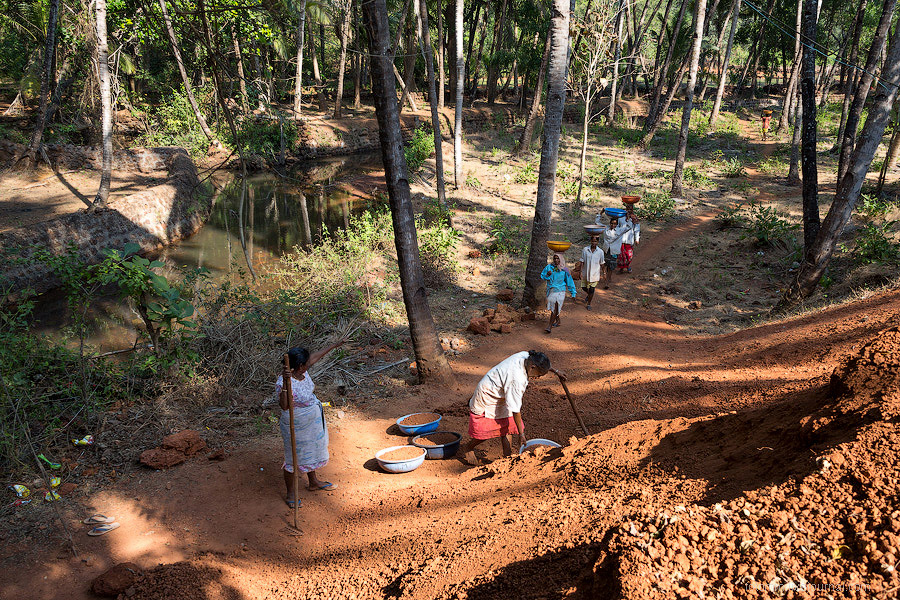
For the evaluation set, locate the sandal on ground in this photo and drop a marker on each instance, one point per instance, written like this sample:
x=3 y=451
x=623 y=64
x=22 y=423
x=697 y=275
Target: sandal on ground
x=98 y=520
x=556 y=325
x=324 y=486
x=548 y=330
x=589 y=307
x=103 y=529
x=291 y=503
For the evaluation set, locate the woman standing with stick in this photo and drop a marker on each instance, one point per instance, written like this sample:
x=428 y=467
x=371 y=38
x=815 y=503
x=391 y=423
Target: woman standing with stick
x=311 y=445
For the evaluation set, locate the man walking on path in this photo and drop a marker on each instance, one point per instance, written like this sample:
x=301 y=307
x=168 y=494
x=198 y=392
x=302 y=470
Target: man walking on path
x=591 y=266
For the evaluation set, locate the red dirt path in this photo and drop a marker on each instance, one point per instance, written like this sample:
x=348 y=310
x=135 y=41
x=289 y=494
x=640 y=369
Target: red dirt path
x=684 y=424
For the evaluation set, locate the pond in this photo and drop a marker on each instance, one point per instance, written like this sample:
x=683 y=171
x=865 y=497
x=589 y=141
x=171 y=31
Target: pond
x=253 y=222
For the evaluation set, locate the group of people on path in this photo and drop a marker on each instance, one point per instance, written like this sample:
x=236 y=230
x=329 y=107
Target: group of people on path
x=495 y=408
x=597 y=263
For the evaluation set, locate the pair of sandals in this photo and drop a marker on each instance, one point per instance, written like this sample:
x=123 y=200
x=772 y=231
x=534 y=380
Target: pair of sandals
x=103 y=524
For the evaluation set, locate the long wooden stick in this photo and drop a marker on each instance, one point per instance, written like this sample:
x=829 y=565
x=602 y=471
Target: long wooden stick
x=288 y=389
x=572 y=402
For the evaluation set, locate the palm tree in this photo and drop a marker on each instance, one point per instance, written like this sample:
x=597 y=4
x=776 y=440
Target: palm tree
x=176 y=52
x=298 y=87
x=430 y=360
x=699 y=18
x=425 y=42
x=342 y=65
x=556 y=100
x=460 y=84
x=30 y=156
x=105 y=101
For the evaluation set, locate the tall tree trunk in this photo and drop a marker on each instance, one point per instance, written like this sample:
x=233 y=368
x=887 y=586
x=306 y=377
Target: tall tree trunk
x=440 y=55
x=793 y=176
x=493 y=70
x=409 y=62
x=317 y=77
x=795 y=73
x=473 y=88
x=460 y=83
x=755 y=48
x=425 y=43
x=818 y=256
x=357 y=60
x=723 y=75
x=400 y=27
x=652 y=116
x=677 y=176
x=615 y=74
x=298 y=78
x=582 y=163
x=890 y=159
x=528 y=133
x=556 y=99
x=452 y=50
x=862 y=91
x=240 y=69
x=30 y=157
x=431 y=363
x=848 y=77
x=811 y=220
x=661 y=113
x=185 y=80
x=342 y=65
x=105 y=102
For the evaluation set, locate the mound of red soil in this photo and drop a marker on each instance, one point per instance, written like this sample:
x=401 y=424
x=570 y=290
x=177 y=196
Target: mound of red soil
x=174 y=450
x=116 y=580
x=833 y=531
x=185 y=581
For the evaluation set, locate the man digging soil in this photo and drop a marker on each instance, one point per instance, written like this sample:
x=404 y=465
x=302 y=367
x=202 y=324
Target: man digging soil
x=495 y=407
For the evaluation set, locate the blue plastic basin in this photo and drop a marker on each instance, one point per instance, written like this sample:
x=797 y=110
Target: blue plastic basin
x=418 y=429
x=399 y=466
x=447 y=450
x=616 y=213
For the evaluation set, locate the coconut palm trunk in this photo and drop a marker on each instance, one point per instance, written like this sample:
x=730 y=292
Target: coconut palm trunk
x=867 y=77
x=809 y=166
x=29 y=158
x=431 y=364
x=546 y=185
x=342 y=64
x=677 y=176
x=298 y=77
x=185 y=80
x=425 y=43
x=723 y=75
x=242 y=78
x=105 y=102
x=460 y=84
x=528 y=133
x=848 y=190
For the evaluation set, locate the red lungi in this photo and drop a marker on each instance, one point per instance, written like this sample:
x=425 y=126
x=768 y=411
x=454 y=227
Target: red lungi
x=625 y=256
x=485 y=428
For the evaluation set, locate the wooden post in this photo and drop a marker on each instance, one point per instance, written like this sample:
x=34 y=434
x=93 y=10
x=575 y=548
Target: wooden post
x=288 y=390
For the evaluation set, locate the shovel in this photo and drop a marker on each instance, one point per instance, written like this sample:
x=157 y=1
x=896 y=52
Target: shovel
x=288 y=390
x=572 y=402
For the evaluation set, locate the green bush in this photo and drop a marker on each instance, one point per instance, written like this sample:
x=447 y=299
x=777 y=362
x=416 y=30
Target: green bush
x=13 y=134
x=172 y=123
x=418 y=149
x=437 y=250
x=874 y=245
x=733 y=168
x=766 y=227
x=656 y=206
x=731 y=216
x=262 y=136
x=873 y=206
x=527 y=173
x=695 y=178
x=604 y=172
x=508 y=236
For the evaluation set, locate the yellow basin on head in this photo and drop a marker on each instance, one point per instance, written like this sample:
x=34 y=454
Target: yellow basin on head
x=559 y=246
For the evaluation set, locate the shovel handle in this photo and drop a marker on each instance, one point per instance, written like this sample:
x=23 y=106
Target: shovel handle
x=572 y=402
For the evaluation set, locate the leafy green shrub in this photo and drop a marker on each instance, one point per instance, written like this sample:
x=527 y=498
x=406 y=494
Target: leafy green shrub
x=873 y=206
x=507 y=236
x=731 y=216
x=418 y=149
x=766 y=226
x=472 y=181
x=263 y=136
x=695 y=178
x=733 y=168
x=772 y=165
x=604 y=172
x=13 y=134
x=172 y=123
x=527 y=173
x=656 y=206
x=874 y=245
x=437 y=250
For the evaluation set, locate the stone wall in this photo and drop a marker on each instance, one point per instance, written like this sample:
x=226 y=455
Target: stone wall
x=67 y=156
x=153 y=218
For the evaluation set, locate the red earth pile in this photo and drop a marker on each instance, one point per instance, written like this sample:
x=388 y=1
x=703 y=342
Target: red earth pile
x=831 y=532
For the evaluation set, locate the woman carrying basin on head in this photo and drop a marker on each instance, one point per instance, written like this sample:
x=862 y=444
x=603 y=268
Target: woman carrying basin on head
x=558 y=281
x=309 y=422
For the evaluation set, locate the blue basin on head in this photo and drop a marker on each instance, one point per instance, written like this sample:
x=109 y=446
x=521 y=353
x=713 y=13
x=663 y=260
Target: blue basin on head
x=418 y=429
x=447 y=450
x=616 y=213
